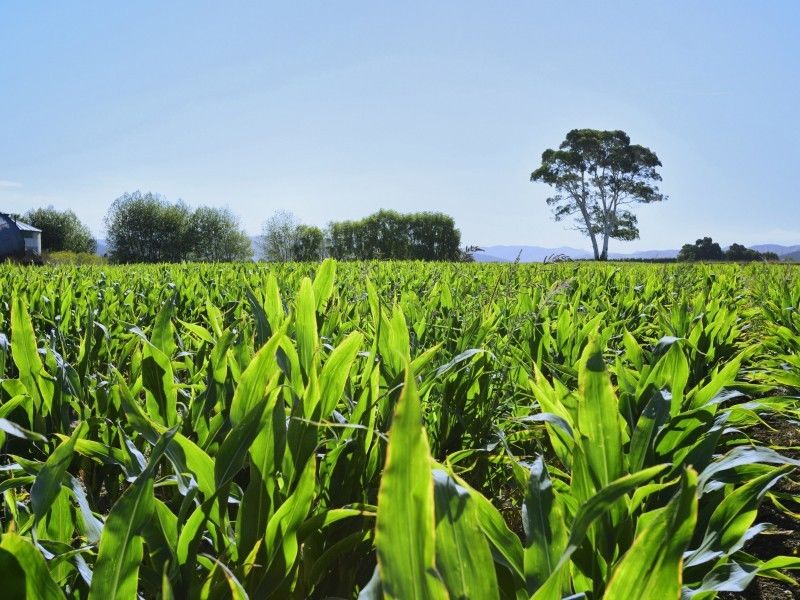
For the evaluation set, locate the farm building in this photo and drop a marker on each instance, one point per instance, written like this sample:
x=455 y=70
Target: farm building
x=18 y=239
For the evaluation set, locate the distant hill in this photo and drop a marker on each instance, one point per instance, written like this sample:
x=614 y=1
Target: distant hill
x=791 y=256
x=528 y=253
x=482 y=257
x=538 y=253
x=776 y=248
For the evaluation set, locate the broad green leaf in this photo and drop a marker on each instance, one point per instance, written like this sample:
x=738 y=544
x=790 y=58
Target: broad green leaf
x=335 y=372
x=255 y=380
x=587 y=514
x=405 y=528
x=323 y=283
x=25 y=570
x=463 y=558
x=305 y=324
x=48 y=481
x=120 y=550
x=545 y=527
x=653 y=565
x=26 y=357
x=598 y=420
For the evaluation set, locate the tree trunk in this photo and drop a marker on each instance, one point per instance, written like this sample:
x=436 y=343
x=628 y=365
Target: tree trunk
x=594 y=245
x=604 y=255
x=592 y=236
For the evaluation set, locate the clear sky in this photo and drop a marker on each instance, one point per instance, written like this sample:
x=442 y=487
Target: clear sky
x=335 y=109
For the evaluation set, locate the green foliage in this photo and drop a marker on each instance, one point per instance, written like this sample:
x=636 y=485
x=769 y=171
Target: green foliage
x=279 y=237
x=309 y=243
x=146 y=228
x=707 y=250
x=391 y=235
x=702 y=249
x=218 y=237
x=597 y=175
x=394 y=429
x=62 y=231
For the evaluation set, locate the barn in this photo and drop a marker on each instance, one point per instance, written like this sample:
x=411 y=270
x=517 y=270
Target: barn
x=18 y=239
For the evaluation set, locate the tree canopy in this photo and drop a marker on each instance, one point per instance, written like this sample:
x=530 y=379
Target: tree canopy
x=217 y=236
x=597 y=176
x=148 y=228
x=706 y=249
x=61 y=230
x=278 y=237
x=387 y=234
x=702 y=249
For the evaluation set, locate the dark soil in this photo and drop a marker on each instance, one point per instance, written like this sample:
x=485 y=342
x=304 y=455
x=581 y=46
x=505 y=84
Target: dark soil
x=785 y=539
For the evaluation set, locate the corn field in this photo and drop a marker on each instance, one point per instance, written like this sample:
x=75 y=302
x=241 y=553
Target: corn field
x=396 y=430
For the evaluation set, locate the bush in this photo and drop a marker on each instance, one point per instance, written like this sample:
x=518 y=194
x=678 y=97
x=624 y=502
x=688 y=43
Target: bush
x=65 y=257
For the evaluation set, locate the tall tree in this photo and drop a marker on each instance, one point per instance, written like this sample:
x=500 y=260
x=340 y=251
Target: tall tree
x=218 y=237
x=61 y=230
x=597 y=176
x=278 y=236
x=309 y=243
x=388 y=234
x=148 y=228
x=702 y=249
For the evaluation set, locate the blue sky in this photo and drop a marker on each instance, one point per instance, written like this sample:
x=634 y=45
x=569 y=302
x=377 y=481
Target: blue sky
x=334 y=109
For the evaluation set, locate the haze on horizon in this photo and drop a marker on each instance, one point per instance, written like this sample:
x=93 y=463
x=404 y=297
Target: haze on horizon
x=334 y=110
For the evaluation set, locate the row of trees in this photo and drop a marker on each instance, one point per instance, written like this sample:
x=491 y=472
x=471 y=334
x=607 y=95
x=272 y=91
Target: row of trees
x=148 y=228
x=145 y=227
x=384 y=235
x=707 y=249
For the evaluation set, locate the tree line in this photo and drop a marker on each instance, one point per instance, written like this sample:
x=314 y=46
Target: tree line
x=147 y=228
x=706 y=249
x=385 y=234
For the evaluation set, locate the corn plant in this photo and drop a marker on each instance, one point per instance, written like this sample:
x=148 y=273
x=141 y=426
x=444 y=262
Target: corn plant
x=399 y=430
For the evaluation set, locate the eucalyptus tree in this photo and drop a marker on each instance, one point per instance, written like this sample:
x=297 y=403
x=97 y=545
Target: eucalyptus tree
x=597 y=177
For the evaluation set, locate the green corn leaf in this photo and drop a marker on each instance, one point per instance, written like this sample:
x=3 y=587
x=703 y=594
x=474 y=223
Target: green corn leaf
x=163 y=335
x=323 y=283
x=266 y=455
x=654 y=415
x=234 y=448
x=305 y=323
x=26 y=357
x=599 y=419
x=25 y=573
x=12 y=428
x=255 y=381
x=653 y=565
x=263 y=330
x=120 y=550
x=463 y=557
x=545 y=528
x=281 y=535
x=505 y=544
x=159 y=381
x=405 y=526
x=588 y=513
x=732 y=518
x=335 y=372
x=736 y=576
x=48 y=481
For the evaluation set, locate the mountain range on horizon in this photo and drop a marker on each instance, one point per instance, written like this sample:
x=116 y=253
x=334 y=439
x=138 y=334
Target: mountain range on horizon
x=528 y=254
x=503 y=253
